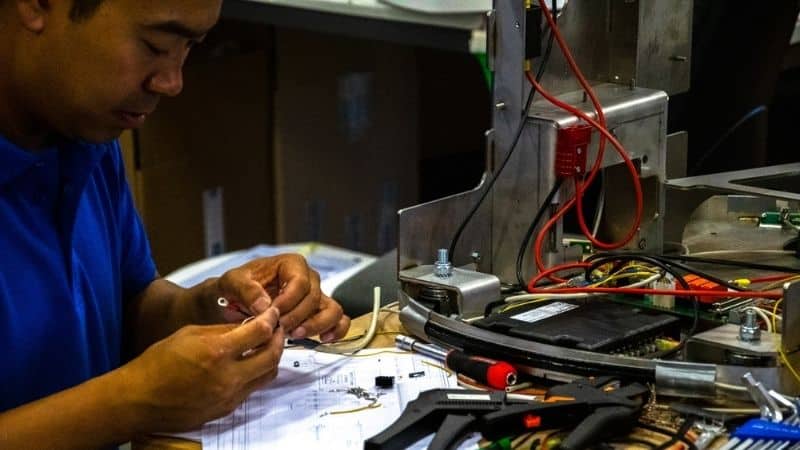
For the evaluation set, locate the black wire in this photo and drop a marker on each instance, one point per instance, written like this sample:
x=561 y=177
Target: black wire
x=728 y=262
x=666 y=432
x=749 y=115
x=534 y=224
x=490 y=184
x=673 y=261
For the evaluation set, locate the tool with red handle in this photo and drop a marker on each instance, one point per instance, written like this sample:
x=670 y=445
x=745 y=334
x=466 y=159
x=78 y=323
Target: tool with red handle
x=495 y=374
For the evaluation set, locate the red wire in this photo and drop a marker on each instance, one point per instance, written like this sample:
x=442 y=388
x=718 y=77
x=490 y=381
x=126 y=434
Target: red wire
x=770 y=278
x=601 y=126
x=643 y=291
x=620 y=149
x=631 y=168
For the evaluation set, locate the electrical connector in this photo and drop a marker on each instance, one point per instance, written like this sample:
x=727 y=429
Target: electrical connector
x=572 y=147
x=698 y=283
x=664 y=301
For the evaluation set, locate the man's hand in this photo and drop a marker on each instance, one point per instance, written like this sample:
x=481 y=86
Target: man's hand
x=200 y=373
x=286 y=282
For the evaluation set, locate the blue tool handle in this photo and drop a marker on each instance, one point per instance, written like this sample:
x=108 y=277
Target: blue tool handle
x=764 y=429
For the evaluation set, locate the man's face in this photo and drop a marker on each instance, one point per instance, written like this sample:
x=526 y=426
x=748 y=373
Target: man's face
x=105 y=73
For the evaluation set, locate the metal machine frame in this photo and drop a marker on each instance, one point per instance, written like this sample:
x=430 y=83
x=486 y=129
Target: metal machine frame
x=643 y=42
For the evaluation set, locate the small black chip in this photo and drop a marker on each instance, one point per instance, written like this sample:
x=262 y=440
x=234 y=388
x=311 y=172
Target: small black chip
x=384 y=382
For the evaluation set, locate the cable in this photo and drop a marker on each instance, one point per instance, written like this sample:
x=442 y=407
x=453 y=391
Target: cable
x=534 y=223
x=601 y=204
x=517 y=135
x=553 y=191
x=600 y=125
x=750 y=114
x=667 y=260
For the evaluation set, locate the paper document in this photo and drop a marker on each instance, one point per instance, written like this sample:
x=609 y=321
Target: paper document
x=306 y=406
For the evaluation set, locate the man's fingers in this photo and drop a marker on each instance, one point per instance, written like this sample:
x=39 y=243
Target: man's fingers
x=263 y=360
x=238 y=286
x=252 y=333
x=337 y=332
x=306 y=308
x=325 y=321
x=298 y=281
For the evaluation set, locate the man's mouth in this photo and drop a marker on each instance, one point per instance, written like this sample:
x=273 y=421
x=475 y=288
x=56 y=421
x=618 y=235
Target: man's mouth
x=131 y=119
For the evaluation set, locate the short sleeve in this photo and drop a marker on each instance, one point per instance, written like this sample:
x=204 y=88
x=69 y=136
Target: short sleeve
x=138 y=269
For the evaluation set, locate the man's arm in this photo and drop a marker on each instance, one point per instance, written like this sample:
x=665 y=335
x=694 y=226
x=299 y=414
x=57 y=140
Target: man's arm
x=195 y=375
x=91 y=415
x=165 y=307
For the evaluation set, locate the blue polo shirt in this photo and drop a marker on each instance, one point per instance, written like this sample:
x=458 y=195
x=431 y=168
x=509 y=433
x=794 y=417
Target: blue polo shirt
x=72 y=251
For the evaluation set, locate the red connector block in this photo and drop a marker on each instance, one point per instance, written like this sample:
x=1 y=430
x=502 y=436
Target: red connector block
x=698 y=283
x=572 y=146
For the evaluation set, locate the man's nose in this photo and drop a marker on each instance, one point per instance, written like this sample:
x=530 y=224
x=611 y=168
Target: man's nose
x=167 y=81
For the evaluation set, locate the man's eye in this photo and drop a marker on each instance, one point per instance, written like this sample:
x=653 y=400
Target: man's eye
x=154 y=50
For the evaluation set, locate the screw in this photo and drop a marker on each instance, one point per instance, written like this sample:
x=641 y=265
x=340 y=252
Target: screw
x=679 y=58
x=500 y=105
x=642 y=244
x=476 y=257
x=442 y=267
x=749 y=331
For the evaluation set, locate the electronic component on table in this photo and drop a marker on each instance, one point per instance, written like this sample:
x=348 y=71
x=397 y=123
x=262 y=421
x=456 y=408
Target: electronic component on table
x=596 y=325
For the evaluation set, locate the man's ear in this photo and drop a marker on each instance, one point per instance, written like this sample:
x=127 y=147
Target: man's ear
x=33 y=14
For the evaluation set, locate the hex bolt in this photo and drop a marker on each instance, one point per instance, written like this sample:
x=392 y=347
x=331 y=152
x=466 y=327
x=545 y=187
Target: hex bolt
x=476 y=256
x=749 y=331
x=442 y=267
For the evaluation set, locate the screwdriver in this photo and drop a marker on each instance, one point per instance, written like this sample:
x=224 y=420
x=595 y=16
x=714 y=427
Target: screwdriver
x=495 y=374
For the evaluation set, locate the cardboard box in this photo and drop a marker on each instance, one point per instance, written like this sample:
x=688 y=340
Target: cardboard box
x=202 y=162
x=314 y=141
x=346 y=139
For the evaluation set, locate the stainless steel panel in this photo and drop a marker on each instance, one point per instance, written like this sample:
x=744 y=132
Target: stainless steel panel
x=685 y=195
x=473 y=290
x=637 y=117
x=790 y=329
x=647 y=42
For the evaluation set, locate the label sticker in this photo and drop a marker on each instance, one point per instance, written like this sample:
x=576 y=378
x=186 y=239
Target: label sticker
x=544 y=312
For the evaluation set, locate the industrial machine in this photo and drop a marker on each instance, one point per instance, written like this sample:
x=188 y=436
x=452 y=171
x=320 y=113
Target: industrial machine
x=462 y=257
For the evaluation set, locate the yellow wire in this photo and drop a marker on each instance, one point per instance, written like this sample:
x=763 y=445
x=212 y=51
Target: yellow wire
x=775 y=314
x=788 y=365
x=780 y=283
x=438 y=366
x=372 y=405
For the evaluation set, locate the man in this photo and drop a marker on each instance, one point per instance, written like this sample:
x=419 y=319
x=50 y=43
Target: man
x=75 y=262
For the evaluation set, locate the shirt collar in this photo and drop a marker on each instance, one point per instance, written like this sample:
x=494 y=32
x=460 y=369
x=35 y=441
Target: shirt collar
x=81 y=157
